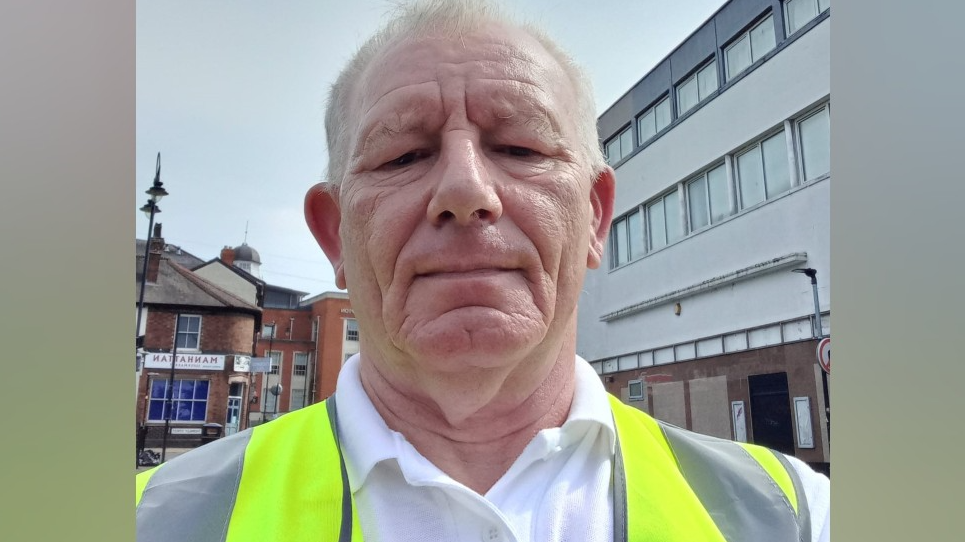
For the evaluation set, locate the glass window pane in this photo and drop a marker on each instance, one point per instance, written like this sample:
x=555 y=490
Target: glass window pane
x=613 y=151
x=635 y=231
x=182 y=410
x=201 y=389
x=197 y=411
x=816 y=145
x=646 y=126
x=622 y=249
x=158 y=388
x=672 y=211
x=663 y=114
x=697 y=197
x=626 y=142
x=707 y=81
x=719 y=206
x=762 y=38
x=655 y=219
x=156 y=412
x=751 y=177
x=687 y=95
x=776 y=171
x=738 y=57
x=799 y=12
x=185 y=390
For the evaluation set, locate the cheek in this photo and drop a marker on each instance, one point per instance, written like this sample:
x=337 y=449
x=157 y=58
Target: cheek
x=378 y=226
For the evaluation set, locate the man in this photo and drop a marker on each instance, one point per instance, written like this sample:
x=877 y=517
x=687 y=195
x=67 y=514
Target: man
x=466 y=197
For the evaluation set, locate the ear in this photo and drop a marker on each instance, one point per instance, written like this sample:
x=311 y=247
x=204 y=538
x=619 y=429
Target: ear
x=601 y=200
x=324 y=217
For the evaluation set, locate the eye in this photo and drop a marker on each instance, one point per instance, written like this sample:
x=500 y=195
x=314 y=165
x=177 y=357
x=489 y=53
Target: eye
x=404 y=160
x=520 y=152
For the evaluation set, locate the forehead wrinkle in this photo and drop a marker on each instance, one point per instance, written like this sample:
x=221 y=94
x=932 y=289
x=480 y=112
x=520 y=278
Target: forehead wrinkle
x=397 y=119
x=534 y=113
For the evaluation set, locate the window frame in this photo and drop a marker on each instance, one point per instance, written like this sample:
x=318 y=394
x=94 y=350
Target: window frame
x=754 y=56
x=695 y=78
x=662 y=199
x=269 y=335
x=758 y=144
x=178 y=333
x=613 y=241
x=349 y=331
x=665 y=99
x=639 y=396
x=296 y=365
x=708 y=208
x=162 y=400
x=619 y=138
x=787 y=16
x=275 y=367
x=824 y=108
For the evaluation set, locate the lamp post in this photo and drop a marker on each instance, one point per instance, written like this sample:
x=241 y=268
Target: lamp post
x=155 y=193
x=169 y=396
x=813 y=275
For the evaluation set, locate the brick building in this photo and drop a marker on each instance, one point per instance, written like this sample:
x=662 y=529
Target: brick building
x=208 y=333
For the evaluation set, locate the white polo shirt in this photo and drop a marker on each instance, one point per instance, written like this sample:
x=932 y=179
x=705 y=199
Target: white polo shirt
x=557 y=490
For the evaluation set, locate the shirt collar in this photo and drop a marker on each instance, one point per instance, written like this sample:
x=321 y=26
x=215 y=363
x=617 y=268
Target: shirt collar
x=366 y=440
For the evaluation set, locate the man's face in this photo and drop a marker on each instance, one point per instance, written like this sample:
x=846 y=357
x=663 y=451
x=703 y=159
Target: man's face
x=467 y=214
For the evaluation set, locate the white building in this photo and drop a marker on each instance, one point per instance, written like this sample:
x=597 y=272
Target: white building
x=722 y=159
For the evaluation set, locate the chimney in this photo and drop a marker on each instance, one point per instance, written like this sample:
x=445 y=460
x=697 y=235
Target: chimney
x=154 y=254
x=228 y=255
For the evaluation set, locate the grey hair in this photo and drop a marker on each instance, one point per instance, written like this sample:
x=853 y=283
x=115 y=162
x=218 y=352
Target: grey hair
x=448 y=18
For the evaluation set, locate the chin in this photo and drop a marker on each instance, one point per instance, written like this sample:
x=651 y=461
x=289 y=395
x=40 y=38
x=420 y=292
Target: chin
x=462 y=341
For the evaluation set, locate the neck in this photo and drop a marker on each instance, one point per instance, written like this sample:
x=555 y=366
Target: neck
x=474 y=437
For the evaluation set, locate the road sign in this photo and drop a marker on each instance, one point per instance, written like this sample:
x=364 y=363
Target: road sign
x=824 y=354
x=260 y=365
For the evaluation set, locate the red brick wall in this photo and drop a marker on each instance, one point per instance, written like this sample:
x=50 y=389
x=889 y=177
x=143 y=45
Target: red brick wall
x=796 y=359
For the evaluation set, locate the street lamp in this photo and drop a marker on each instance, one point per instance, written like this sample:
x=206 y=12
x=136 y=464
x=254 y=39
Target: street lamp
x=155 y=193
x=169 y=396
x=813 y=275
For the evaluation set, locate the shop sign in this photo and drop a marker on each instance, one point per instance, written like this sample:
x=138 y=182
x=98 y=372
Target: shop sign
x=204 y=362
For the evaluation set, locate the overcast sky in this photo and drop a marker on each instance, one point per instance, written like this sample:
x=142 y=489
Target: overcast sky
x=232 y=95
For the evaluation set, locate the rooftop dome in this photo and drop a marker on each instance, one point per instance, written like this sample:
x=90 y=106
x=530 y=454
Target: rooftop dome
x=247 y=254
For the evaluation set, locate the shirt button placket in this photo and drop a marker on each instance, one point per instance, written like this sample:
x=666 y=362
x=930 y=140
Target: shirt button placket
x=491 y=534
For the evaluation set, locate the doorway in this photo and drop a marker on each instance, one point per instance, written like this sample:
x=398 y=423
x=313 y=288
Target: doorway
x=233 y=418
x=771 y=412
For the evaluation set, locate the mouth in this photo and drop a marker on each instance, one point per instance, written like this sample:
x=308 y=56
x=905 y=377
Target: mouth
x=467 y=272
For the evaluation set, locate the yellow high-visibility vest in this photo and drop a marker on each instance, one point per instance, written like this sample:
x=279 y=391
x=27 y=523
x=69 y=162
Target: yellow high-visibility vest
x=286 y=480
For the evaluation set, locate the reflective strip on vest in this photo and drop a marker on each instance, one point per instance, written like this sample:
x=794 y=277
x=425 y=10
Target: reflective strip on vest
x=285 y=480
x=749 y=493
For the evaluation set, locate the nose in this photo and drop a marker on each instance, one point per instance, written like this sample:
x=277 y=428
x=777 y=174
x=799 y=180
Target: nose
x=465 y=194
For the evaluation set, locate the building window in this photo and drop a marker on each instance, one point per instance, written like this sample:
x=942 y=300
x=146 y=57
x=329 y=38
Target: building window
x=351 y=329
x=635 y=389
x=814 y=137
x=189 y=400
x=798 y=13
x=750 y=47
x=707 y=198
x=762 y=170
x=619 y=146
x=663 y=221
x=297 y=399
x=268 y=331
x=314 y=330
x=300 y=364
x=275 y=356
x=697 y=87
x=626 y=239
x=653 y=120
x=189 y=332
